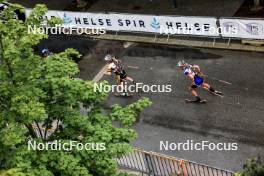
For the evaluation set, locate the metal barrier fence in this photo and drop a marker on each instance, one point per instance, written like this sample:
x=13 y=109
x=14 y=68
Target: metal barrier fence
x=154 y=164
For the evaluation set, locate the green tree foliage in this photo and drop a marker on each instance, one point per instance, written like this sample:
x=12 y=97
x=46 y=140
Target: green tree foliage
x=253 y=167
x=41 y=100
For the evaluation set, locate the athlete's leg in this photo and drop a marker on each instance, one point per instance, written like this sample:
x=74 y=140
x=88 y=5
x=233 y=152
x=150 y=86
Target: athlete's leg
x=118 y=79
x=123 y=87
x=206 y=86
x=129 y=79
x=210 y=88
x=194 y=92
x=122 y=84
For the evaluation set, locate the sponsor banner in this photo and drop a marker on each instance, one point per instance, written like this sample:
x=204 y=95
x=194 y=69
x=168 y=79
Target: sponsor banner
x=138 y=23
x=242 y=28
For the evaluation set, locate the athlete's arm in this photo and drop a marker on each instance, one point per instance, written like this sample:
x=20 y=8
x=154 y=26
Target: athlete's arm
x=190 y=75
x=108 y=70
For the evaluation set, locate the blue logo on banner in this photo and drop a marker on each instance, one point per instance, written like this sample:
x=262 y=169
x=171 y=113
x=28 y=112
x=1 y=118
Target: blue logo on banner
x=254 y=28
x=155 y=24
x=66 y=19
x=231 y=27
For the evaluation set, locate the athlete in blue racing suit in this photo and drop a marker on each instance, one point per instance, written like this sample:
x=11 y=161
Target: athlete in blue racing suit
x=197 y=77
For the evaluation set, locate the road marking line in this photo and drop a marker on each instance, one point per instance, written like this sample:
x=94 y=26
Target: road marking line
x=100 y=74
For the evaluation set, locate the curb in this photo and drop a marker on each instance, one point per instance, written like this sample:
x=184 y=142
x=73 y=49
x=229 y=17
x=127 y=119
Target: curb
x=179 y=41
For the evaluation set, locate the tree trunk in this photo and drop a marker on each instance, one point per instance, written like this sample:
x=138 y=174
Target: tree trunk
x=31 y=131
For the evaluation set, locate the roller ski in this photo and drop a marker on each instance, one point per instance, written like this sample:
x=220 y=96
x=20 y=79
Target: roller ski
x=195 y=101
x=217 y=93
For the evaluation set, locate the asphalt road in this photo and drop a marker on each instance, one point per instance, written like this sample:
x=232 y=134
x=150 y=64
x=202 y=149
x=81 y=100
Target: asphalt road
x=185 y=7
x=236 y=118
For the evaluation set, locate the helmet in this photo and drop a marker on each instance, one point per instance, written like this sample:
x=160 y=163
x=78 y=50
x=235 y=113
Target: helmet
x=45 y=51
x=196 y=68
x=182 y=63
x=108 y=57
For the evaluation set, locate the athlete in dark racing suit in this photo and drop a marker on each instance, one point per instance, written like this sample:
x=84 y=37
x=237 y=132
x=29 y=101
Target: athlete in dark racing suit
x=114 y=65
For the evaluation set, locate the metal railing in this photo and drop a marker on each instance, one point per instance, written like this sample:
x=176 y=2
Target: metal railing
x=154 y=164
